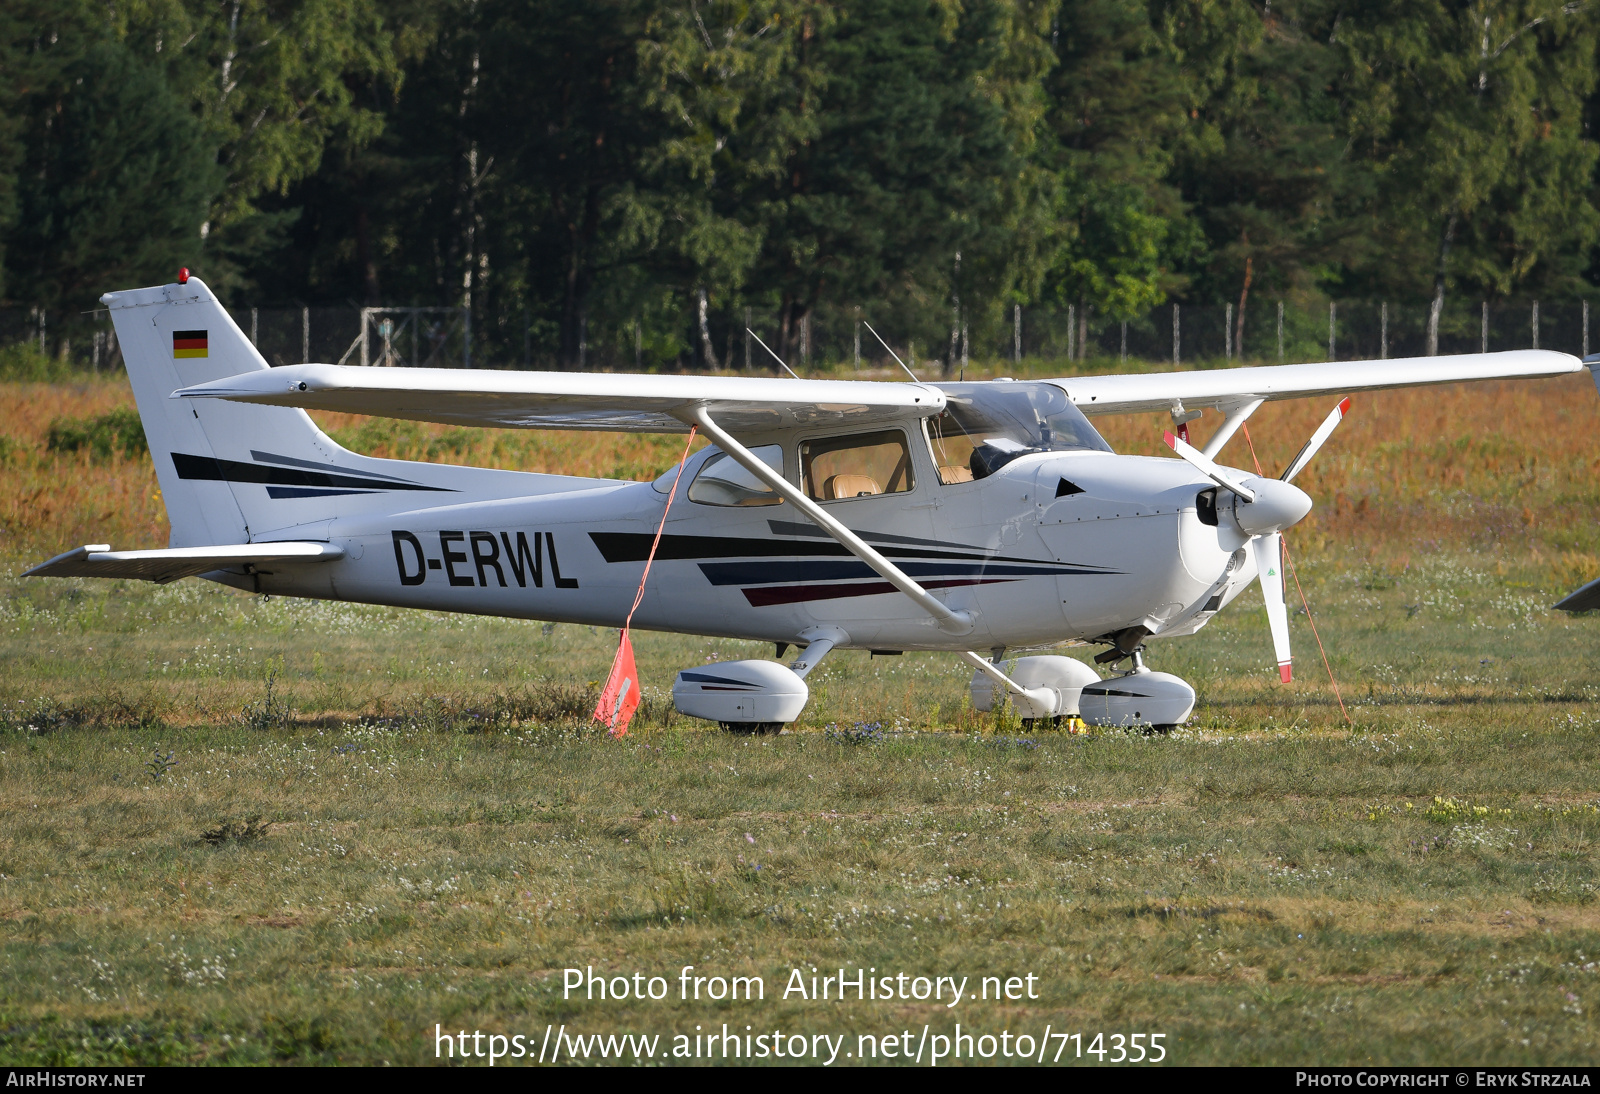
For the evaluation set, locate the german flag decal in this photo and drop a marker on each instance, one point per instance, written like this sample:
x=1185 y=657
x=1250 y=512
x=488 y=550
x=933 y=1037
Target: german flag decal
x=189 y=343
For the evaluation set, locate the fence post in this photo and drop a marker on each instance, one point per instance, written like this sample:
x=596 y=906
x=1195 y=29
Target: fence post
x=963 y=349
x=1122 y=355
x=1016 y=333
x=1484 y=335
x=366 y=357
x=805 y=340
x=747 y=322
x=466 y=337
x=1072 y=329
x=1586 y=328
x=1333 y=311
x=305 y=336
x=1535 y=324
x=42 y=339
x=857 y=357
x=1227 y=333
x=1176 y=356
x=254 y=341
x=1280 y=331
x=1383 y=329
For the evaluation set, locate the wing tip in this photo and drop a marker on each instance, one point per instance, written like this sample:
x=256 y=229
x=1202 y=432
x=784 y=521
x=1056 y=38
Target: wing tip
x=1583 y=599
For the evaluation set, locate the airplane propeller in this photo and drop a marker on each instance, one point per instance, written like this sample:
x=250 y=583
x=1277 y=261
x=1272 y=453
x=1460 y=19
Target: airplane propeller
x=1309 y=449
x=1264 y=509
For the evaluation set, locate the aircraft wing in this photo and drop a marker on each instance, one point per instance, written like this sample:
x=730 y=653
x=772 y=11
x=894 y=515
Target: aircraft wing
x=172 y=563
x=575 y=400
x=1227 y=388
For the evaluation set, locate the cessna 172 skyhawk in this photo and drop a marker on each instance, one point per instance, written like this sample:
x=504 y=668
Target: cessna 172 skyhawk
x=830 y=514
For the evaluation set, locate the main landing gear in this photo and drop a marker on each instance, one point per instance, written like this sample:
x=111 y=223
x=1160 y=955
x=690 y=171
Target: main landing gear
x=753 y=697
x=1065 y=688
x=759 y=697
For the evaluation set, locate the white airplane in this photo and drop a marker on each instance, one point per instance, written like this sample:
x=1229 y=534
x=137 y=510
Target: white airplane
x=829 y=515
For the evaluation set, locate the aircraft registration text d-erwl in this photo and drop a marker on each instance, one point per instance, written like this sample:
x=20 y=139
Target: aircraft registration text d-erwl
x=480 y=553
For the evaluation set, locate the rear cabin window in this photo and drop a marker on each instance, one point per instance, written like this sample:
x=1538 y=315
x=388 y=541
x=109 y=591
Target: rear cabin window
x=722 y=481
x=857 y=466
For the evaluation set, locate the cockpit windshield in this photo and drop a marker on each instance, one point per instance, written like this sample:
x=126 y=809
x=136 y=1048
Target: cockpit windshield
x=985 y=426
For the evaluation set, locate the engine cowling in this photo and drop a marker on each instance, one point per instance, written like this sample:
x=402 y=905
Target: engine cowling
x=741 y=693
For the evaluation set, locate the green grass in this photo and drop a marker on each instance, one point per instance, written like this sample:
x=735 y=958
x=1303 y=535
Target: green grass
x=421 y=827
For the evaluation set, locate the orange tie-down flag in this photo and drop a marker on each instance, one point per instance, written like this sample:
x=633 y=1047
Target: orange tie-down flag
x=621 y=695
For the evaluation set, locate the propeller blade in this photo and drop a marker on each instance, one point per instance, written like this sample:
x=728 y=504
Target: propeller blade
x=1268 y=551
x=1207 y=467
x=1309 y=449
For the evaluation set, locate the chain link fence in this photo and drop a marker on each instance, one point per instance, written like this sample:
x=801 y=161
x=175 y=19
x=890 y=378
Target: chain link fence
x=1187 y=335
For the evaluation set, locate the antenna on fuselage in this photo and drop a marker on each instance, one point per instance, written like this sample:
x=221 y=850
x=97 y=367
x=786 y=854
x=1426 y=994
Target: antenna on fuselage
x=775 y=357
x=892 y=353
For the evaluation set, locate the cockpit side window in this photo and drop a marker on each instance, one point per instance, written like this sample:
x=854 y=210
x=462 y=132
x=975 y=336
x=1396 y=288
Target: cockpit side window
x=985 y=426
x=860 y=465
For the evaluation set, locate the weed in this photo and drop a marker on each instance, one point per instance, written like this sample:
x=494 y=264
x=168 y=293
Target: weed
x=248 y=830
x=1454 y=811
x=270 y=712
x=862 y=733
x=159 y=763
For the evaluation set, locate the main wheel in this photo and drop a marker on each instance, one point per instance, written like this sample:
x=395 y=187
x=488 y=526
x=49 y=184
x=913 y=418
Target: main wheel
x=752 y=729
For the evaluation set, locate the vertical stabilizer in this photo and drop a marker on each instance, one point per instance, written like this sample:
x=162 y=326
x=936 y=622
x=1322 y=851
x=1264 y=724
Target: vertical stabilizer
x=176 y=335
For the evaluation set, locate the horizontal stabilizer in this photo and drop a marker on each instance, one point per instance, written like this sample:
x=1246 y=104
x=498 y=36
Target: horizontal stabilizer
x=1586 y=599
x=99 y=560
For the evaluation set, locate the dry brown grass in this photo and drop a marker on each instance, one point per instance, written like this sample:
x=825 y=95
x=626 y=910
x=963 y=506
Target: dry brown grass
x=1501 y=466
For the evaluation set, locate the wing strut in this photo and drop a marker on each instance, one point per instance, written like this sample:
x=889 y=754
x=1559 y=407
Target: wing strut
x=949 y=620
x=1230 y=425
x=1030 y=703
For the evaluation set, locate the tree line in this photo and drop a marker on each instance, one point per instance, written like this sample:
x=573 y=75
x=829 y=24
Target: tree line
x=647 y=173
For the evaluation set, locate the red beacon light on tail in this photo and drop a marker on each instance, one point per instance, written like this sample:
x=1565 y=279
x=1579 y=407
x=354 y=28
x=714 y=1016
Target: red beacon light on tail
x=183 y=275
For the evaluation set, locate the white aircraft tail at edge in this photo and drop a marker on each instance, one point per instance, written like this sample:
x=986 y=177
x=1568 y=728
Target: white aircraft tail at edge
x=830 y=515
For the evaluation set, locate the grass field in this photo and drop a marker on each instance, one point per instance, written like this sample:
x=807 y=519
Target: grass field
x=239 y=830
